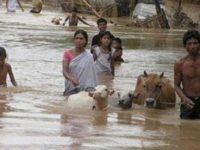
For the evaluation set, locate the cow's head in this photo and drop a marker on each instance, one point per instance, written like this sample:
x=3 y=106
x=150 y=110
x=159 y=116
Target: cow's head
x=152 y=88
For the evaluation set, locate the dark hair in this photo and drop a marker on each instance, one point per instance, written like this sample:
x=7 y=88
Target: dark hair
x=3 y=52
x=100 y=20
x=84 y=33
x=190 y=34
x=74 y=9
x=101 y=34
x=118 y=40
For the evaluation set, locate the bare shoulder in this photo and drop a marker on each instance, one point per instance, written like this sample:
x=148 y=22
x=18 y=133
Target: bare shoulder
x=7 y=65
x=180 y=62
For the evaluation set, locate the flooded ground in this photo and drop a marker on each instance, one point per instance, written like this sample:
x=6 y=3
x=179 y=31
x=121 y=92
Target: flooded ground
x=32 y=116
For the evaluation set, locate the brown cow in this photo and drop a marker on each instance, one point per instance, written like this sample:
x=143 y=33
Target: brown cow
x=154 y=91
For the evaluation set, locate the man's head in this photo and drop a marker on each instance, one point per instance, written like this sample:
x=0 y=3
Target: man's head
x=102 y=24
x=191 y=41
x=74 y=11
x=189 y=35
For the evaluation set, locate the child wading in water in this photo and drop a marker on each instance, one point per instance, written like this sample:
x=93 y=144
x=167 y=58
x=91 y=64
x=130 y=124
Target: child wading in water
x=117 y=45
x=5 y=69
x=103 y=55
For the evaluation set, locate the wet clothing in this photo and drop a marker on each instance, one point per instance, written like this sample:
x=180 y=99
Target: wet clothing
x=103 y=61
x=193 y=113
x=82 y=68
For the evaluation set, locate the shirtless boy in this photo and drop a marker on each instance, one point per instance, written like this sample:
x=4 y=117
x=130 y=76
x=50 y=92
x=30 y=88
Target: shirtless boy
x=5 y=69
x=187 y=76
x=73 y=19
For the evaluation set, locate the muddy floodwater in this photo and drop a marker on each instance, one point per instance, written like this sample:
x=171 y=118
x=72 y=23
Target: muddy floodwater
x=32 y=116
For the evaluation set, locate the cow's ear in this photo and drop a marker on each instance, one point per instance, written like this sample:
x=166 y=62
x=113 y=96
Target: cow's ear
x=162 y=75
x=145 y=74
x=135 y=96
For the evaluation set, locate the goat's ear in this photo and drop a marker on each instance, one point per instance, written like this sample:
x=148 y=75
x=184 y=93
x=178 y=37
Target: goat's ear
x=91 y=94
x=111 y=92
x=162 y=75
x=145 y=74
x=118 y=94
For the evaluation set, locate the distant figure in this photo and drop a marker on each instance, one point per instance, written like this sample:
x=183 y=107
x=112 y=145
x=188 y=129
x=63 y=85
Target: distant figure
x=117 y=45
x=11 y=5
x=103 y=55
x=37 y=6
x=78 y=66
x=187 y=77
x=73 y=19
x=5 y=69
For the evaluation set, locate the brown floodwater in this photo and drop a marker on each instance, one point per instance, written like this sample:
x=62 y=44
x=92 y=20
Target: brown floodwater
x=32 y=115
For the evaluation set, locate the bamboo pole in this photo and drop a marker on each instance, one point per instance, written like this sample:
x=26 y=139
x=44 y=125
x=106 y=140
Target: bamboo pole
x=93 y=10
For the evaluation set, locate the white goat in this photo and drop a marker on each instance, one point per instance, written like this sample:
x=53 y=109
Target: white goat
x=96 y=100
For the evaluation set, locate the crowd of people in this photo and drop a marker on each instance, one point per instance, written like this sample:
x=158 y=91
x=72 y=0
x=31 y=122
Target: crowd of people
x=81 y=68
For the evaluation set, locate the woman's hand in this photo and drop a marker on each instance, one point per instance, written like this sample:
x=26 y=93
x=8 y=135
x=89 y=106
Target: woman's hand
x=74 y=82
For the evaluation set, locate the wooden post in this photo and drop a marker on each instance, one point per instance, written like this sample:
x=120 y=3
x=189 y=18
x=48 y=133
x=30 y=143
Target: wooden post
x=93 y=10
x=160 y=11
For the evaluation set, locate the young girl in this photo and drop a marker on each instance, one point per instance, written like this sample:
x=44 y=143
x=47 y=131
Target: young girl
x=78 y=66
x=117 y=45
x=5 y=69
x=103 y=55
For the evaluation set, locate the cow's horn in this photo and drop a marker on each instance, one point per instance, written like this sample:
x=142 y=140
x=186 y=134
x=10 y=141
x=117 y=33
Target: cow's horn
x=162 y=74
x=145 y=73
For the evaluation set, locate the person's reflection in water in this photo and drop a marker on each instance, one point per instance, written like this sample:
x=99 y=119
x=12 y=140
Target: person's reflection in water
x=3 y=104
x=99 y=118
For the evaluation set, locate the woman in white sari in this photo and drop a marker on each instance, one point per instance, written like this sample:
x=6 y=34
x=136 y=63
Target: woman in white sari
x=78 y=66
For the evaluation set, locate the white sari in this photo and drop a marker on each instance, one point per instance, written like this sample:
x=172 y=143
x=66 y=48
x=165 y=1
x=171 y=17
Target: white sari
x=82 y=68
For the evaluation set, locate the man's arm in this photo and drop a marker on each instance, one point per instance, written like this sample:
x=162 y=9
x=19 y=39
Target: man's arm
x=20 y=5
x=12 y=78
x=65 y=21
x=177 y=85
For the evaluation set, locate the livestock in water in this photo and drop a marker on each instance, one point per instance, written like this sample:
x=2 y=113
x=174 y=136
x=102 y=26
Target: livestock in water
x=95 y=100
x=155 y=91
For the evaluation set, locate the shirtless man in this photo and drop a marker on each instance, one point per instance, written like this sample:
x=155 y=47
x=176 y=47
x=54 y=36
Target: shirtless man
x=73 y=19
x=187 y=76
